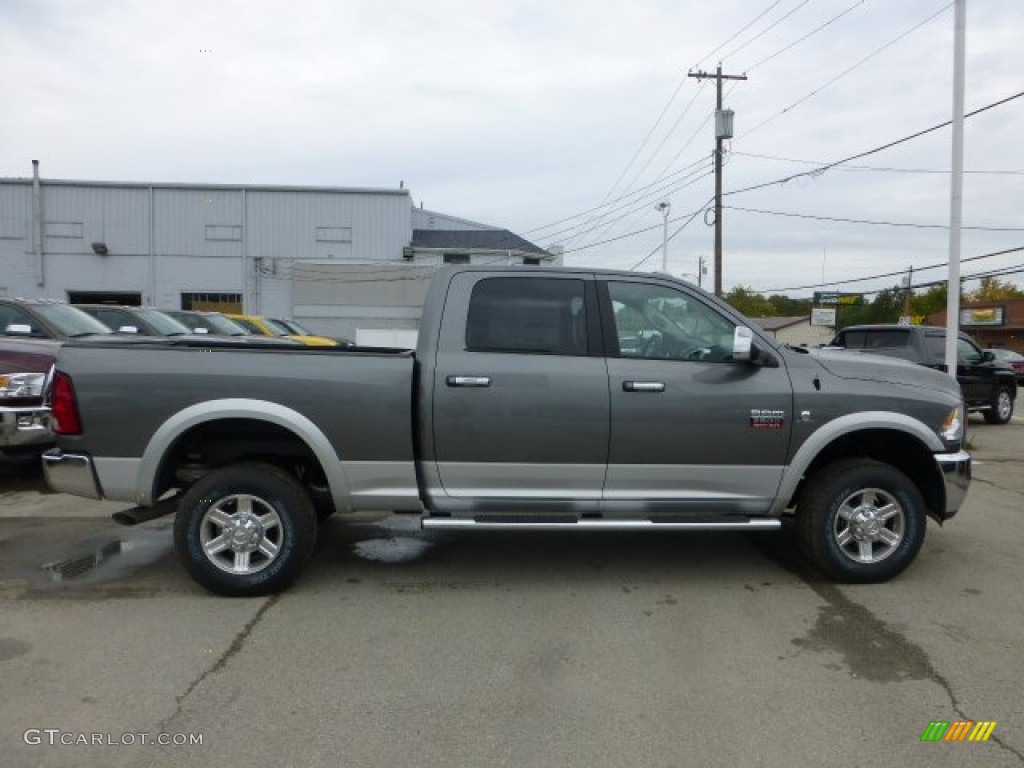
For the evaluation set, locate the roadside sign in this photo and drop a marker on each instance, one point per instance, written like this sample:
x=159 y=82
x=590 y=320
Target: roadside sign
x=837 y=299
x=823 y=316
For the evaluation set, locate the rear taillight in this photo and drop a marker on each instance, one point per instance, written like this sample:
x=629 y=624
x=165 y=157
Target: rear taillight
x=64 y=408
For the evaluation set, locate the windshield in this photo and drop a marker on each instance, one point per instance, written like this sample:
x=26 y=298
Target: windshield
x=70 y=321
x=221 y=324
x=276 y=327
x=161 y=323
x=216 y=324
x=294 y=326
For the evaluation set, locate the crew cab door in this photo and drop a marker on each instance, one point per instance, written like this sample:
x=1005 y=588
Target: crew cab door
x=520 y=396
x=692 y=431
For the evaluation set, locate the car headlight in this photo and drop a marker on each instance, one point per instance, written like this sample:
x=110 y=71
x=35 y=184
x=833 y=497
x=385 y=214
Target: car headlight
x=21 y=385
x=953 y=426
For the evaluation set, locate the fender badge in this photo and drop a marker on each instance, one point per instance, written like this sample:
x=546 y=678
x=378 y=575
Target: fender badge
x=766 y=419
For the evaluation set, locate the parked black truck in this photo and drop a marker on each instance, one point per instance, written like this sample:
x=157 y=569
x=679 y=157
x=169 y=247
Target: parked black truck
x=988 y=385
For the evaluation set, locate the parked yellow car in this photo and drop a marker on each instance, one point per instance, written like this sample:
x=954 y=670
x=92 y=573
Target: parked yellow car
x=264 y=326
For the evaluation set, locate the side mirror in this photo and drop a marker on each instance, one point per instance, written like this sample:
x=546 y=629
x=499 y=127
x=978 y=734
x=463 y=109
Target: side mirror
x=18 y=329
x=742 y=343
x=128 y=329
x=744 y=349
x=988 y=356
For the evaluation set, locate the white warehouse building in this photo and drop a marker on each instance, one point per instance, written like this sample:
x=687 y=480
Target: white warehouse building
x=351 y=262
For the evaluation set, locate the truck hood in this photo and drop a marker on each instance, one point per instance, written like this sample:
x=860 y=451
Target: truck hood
x=854 y=364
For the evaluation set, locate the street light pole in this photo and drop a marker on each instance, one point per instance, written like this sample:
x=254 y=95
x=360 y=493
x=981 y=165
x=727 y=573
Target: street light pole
x=664 y=206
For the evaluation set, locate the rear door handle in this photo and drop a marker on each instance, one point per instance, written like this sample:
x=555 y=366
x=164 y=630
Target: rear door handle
x=468 y=381
x=643 y=386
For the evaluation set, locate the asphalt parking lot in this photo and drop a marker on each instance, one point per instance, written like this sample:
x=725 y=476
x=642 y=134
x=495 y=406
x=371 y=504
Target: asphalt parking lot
x=404 y=648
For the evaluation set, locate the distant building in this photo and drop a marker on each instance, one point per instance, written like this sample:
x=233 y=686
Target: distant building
x=797 y=331
x=347 y=261
x=991 y=324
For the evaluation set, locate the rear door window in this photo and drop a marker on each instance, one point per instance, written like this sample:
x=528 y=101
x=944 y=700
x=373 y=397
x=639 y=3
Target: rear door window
x=527 y=316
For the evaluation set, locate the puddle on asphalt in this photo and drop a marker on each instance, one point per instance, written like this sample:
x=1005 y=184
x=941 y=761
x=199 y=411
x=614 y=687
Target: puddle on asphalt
x=110 y=559
x=400 y=541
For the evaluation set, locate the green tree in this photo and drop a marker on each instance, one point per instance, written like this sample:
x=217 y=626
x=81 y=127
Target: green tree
x=993 y=289
x=886 y=307
x=787 y=307
x=931 y=301
x=750 y=303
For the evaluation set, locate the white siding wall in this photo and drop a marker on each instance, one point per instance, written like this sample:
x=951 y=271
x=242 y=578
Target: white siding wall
x=201 y=238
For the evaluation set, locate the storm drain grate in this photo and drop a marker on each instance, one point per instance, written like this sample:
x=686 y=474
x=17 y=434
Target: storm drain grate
x=73 y=567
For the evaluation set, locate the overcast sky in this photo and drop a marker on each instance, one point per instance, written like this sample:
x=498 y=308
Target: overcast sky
x=521 y=113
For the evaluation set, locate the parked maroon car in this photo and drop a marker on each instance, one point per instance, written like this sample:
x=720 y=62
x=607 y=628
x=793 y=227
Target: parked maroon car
x=1014 y=359
x=31 y=331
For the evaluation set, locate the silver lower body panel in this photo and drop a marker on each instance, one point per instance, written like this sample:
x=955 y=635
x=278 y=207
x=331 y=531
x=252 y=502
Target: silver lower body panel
x=482 y=524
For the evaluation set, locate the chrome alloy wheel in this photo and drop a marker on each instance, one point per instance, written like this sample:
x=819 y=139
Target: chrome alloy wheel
x=869 y=525
x=241 y=534
x=1004 y=405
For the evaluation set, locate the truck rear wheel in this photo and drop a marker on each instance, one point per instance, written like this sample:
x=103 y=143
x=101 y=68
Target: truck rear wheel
x=1000 y=410
x=861 y=521
x=245 y=530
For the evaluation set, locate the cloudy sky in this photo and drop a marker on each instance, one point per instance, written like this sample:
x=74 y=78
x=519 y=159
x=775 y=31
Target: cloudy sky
x=565 y=121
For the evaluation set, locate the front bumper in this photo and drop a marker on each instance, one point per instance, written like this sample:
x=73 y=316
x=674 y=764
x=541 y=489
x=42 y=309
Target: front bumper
x=24 y=426
x=956 y=476
x=71 y=473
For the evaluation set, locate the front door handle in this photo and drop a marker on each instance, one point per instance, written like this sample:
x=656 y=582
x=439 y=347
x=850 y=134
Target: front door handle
x=643 y=386
x=468 y=381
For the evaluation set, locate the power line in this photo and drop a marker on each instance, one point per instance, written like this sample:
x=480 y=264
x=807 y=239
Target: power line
x=889 y=274
x=829 y=166
x=874 y=167
x=765 y=31
x=636 y=205
x=689 y=218
x=845 y=72
x=639 y=194
x=747 y=26
x=843 y=220
x=797 y=42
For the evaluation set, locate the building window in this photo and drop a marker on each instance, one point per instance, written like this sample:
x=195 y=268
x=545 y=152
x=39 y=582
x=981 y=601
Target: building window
x=334 y=234
x=456 y=258
x=223 y=232
x=531 y=261
x=63 y=229
x=212 y=302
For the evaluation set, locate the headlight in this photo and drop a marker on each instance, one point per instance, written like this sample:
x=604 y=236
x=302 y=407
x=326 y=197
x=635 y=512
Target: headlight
x=21 y=385
x=953 y=426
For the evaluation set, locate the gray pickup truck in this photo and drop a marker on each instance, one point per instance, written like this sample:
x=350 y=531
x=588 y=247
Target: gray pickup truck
x=537 y=399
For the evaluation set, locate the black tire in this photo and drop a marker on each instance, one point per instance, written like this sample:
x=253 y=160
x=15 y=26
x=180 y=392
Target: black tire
x=860 y=521
x=272 y=530
x=1000 y=410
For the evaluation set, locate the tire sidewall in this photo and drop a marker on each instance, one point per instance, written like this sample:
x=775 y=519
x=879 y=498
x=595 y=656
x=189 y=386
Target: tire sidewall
x=834 y=559
x=298 y=525
x=993 y=415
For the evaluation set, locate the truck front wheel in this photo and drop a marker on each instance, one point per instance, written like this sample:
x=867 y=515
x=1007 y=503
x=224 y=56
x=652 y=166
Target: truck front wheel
x=245 y=530
x=860 y=520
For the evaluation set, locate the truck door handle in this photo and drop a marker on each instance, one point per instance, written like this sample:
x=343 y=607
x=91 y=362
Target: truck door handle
x=643 y=386
x=468 y=381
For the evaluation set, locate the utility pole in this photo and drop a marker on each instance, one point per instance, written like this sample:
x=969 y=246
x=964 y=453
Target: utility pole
x=701 y=271
x=910 y=291
x=723 y=130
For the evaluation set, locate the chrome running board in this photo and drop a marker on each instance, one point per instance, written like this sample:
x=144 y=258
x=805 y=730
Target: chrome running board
x=535 y=524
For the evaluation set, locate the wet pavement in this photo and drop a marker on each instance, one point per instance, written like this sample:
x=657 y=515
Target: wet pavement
x=466 y=649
